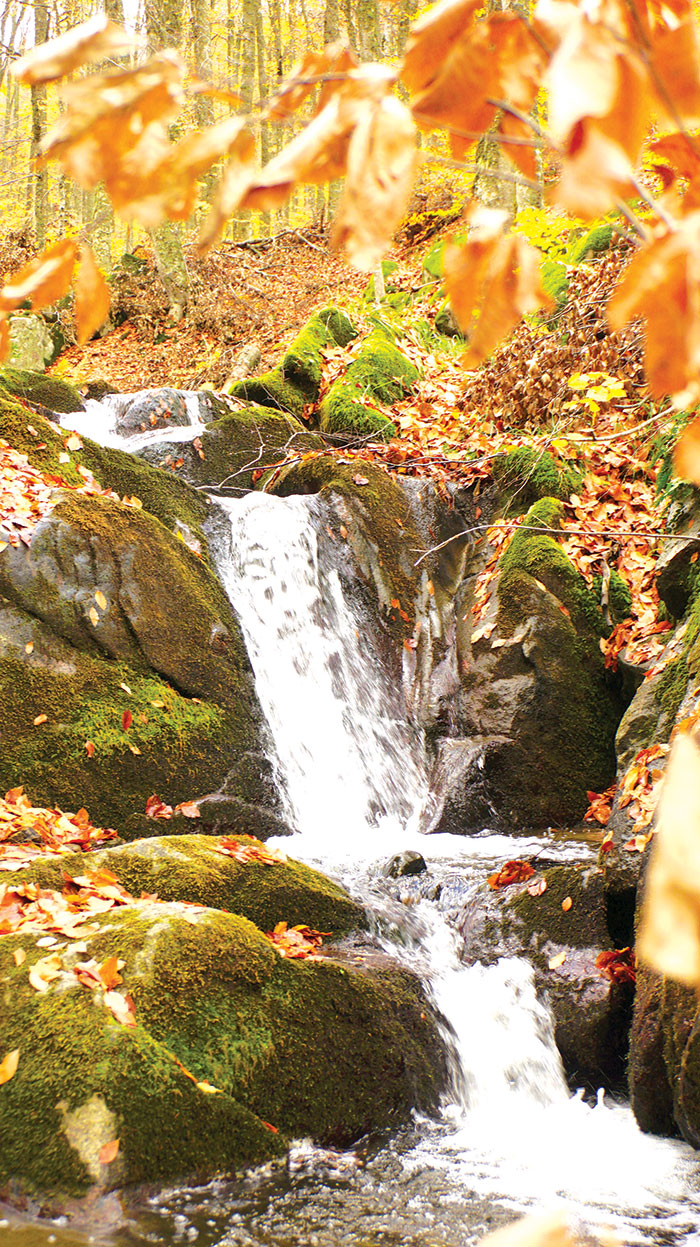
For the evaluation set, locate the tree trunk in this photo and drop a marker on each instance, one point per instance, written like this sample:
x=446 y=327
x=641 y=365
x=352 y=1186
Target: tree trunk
x=38 y=107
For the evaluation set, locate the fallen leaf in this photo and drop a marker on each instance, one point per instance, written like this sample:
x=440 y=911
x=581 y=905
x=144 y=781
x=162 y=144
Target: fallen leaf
x=618 y=965
x=566 y=904
x=19 y=956
x=207 y=1088
x=8 y=1066
x=538 y=887
x=108 y=1152
x=515 y=871
x=558 y=960
x=89 y=748
x=189 y=809
x=127 y=720
x=121 y=1007
x=155 y=808
x=44 y=972
x=93 y=616
x=29 y=647
x=40 y=718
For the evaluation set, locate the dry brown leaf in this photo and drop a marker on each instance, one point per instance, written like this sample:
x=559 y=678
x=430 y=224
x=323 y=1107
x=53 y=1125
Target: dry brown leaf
x=92 y=298
x=91 y=41
x=44 y=280
x=108 y=1152
x=44 y=972
x=492 y=280
x=430 y=36
x=669 y=934
x=662 y=284
x=8 y=1066
x=381 y=165
x=331 y=63
x=686 y=456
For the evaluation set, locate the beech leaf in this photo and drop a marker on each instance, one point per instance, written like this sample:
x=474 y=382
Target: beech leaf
x=43 y=280
x=108 y=1152
x=92 y=299
x=669 y=934
x=8 y=1066
x=91 y=41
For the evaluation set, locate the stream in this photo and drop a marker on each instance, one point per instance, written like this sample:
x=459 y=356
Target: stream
x=353 y=777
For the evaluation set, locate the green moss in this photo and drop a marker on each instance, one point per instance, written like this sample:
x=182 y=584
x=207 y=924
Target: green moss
x=178 y=739
x=169 y=499
x=297 y=380
x=386 y=533
x=389 y=267
x=270 y=390
x=582 y=925
x=314 y=1048
x=691 y=641
x=526 y=475
x=190 y=868
x=36 y=387
x=594 y=243
x=71 y=1050
x=670 y=691
x=380 y=373
x=541 y=557
x=581 y=705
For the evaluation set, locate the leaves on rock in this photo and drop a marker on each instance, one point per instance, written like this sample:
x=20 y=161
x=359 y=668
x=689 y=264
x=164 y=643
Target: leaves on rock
x=250 y=850
x=23 y=824
x=8 y=1066
x=298 y=943
x=617 y=964
x=515 y=871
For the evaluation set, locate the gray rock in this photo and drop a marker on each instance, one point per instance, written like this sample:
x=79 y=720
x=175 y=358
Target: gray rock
x=31 y=345
x=407 y=863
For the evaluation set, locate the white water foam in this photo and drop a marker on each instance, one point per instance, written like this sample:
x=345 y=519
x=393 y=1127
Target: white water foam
x=355 y=781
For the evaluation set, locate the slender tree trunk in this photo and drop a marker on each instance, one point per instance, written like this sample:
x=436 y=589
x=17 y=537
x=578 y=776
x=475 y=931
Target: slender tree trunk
x=38 y=108
x=331 y=21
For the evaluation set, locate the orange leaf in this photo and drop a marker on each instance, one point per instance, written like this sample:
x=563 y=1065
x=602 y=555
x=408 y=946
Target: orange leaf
x=127 y=720
x=189 y=809
x=43 y=280
x=8 y=1066
x=155 y=808
x=40 y=718
x=91 y=41
x=89 y=748
x=515 y=871
x=108 y=1152
x=566 y=904
x=92 y=297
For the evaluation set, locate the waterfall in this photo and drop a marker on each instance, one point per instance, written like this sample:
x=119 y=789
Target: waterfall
x=354 y=778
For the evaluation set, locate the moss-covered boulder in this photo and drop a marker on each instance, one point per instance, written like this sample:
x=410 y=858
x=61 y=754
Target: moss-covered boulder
x=525 y=475
x=570 y=916
x=193 y=868
x=35 y=387
x=118 y=639
x=297 y=380
x=538 y=709
x=664 y=1060
x=233 y=1050
x=237 y=448
x=382 y=374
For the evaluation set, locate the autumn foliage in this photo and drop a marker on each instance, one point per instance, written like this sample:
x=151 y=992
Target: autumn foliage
x=622 y=82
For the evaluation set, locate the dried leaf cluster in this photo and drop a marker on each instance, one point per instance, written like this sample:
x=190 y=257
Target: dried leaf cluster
x=613 y=71
x=28 y=831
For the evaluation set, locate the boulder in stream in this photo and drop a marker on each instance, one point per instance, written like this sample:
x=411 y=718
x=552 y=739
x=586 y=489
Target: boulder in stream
x=180 y=1031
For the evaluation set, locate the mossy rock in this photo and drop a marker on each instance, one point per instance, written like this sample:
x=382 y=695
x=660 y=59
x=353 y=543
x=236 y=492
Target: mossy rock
x=36 y=387
x=591 y=1014
x=594 y=243
x=380 y=525
x=170 y=500
x=380 y=373
x=235 y=449
x=318 y=1048
x=446 y=322
x=542 y=709
x=297 y=380
x=190 y=868
x=525 y=475
x=555 y=279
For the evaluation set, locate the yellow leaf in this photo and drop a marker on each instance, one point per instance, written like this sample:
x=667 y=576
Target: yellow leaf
x=40 y=718
x=73 y=442
x=669 y=935
x=19 y=956
x=94 y=617
x=555 y=962
x=102 y=603
x=43 y=280
x=44 y=971
x=91 y=41
x=207 y=1088
x=92 y=300
x=8 y=1066
x=29 y=647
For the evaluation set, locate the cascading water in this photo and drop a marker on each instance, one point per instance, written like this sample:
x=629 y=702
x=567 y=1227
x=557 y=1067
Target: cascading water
x=352 y=774
x=355 y=783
